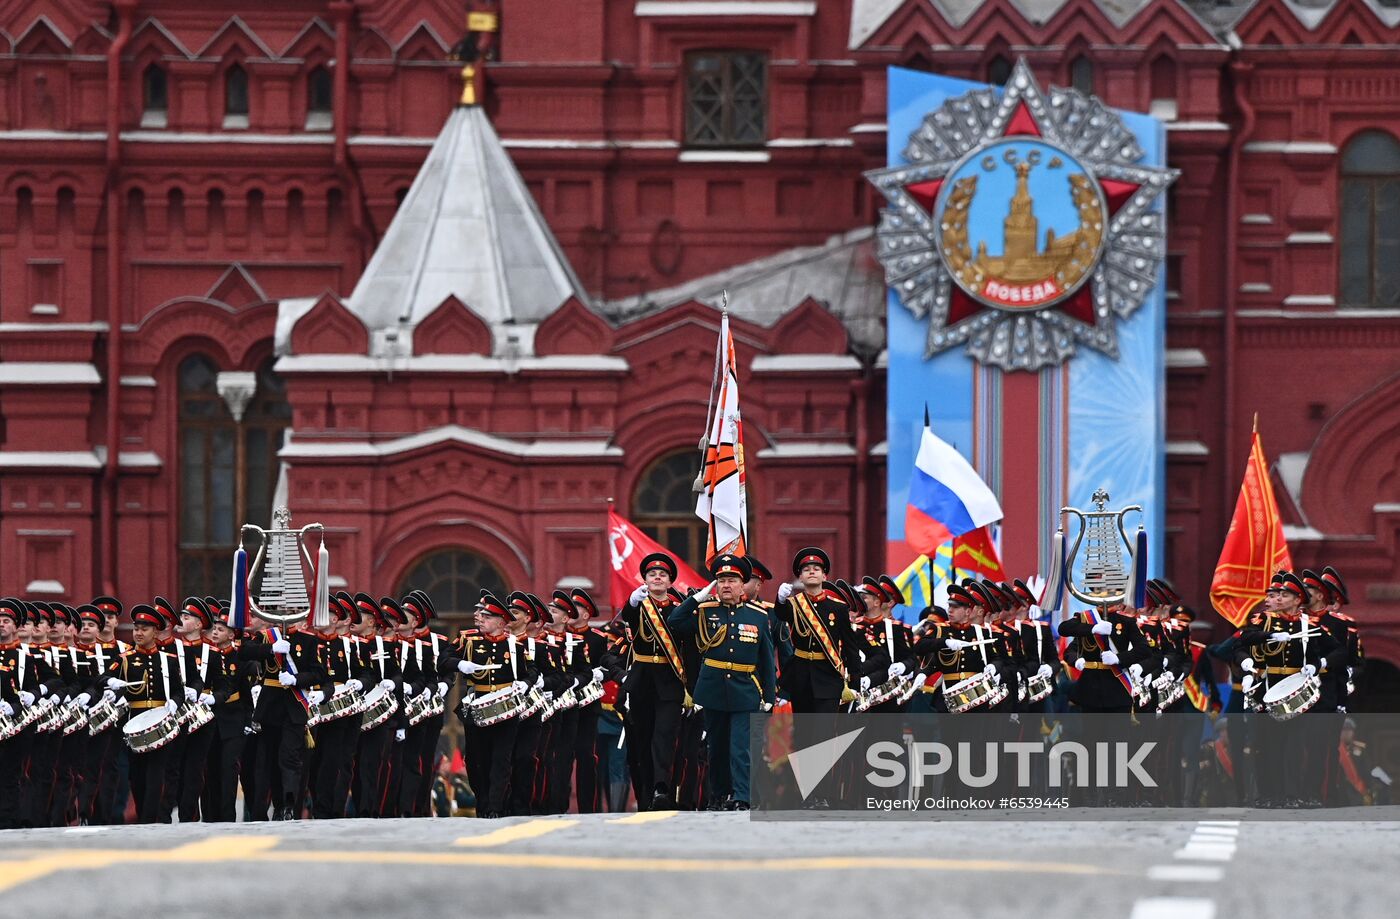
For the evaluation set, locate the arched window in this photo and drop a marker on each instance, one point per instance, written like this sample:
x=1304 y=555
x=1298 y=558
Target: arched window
x=228 y=466
x=998 y=70
x=1370 y=221
x=236 y=97
x=1081 y=75
x=453 y=579
x=664 y=507
x=155 y=97
x=318 y=100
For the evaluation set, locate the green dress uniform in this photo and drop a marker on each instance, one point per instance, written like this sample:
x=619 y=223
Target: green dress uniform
x=736 y=677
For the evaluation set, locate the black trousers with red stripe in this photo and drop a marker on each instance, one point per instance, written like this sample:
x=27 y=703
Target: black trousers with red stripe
x=587 y=789
x=148 y=775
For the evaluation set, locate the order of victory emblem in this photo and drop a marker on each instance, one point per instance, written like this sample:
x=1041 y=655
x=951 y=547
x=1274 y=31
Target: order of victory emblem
x=1023 y=225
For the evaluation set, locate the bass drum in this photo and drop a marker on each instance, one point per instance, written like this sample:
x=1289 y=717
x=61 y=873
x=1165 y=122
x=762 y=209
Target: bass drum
x=151 y=730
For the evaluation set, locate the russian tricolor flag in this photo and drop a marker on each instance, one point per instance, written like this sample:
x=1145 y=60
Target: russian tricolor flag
x=946 y=496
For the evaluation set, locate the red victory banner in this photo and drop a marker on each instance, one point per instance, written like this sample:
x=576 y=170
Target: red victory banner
x=628 y=546
x=1254 y=547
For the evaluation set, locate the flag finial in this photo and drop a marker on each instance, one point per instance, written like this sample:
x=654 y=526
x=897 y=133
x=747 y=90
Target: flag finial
x=1256 y=422
x=926 y=414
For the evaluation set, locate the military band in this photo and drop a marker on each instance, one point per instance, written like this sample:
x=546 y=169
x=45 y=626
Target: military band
x=345 y=719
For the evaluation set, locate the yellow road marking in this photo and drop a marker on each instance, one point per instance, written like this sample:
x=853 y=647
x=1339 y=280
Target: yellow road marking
x=644 y=817
x=214 y=849
x=527 y=830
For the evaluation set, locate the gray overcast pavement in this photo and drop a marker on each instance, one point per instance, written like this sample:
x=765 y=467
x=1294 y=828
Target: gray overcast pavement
x=702 y=865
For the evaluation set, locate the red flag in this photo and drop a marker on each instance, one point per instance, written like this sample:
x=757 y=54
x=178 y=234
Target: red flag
x=1254 y=546
x=628 y=546
x=975 y=551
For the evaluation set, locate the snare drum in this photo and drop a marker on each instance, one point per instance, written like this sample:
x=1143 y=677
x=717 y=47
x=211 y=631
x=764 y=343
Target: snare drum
x=589 y=694
x=1038 y=687
x=1291 y=696
x=107 y=714
x=151 y=730
x=973 y=692
x=495 y=707
x=76 y=719
x=9 y=727
x=341 y=703
x=379 y=707
x=194 y=716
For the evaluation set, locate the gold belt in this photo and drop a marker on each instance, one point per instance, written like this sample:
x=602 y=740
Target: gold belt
x=276 y=684
x=1282 y=671
x=729 y=665
x=490 y=687
x=1097 y=665
x=234 y=698
x=811 y=655
x=650 y=659
x=954 y=677
x=137 y=706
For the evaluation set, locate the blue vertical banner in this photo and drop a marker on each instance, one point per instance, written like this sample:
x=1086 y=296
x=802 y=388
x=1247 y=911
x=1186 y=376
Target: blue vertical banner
x=1024 y=243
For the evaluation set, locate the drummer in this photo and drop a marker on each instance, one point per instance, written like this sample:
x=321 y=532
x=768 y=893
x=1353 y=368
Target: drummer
x=493 y=661
x=151 y=683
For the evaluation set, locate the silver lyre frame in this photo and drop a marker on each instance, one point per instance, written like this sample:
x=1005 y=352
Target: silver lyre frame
x=281 y=526
x=1087 y=520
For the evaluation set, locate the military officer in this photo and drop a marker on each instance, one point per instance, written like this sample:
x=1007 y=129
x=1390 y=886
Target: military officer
x=1104 y=648
x=736 y=676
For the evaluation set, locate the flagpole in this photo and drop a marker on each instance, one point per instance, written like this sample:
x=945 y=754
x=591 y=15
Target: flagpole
x=699 y=483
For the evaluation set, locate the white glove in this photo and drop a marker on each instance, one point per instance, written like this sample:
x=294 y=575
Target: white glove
x=1045 y=670
x=1171 y=677
x=108 y=696
x=354 y=685
x=1278 y=636
x=704 y=593
x=469 y=667
x=519 y=686
x=442 y=690
x=206 y=699
x=1135 y=670
x=696 y=706
x=762 y=706
x=281 y=646
x=1247 y=683
x=639 y=594
x=427 y=691
x=920 y=680
x=1247 y=665
x=386 y=685
x=171 y=706
x=26 y=698
x=1079 y=663
x=1020 y=692
x=896 y=669
x=82 y=699
x=315 y=697
x=1309 y=671
x=116 y=685
x=1110 y=658
x=539 y=682
x=287 y=679
x=190 y=694
x=784 y=591
x=399 y=735
x=549 y=695
x=255 y=692
x=957 y=644
x=6 y=709
x=864 y=683
x=597 y=675
x=43 y=690
x=1102 y=628
x=991 y=673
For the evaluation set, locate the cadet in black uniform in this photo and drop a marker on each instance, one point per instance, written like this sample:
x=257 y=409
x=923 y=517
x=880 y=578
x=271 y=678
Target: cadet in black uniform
x=655 y=686
x=149 y=678
x=588 y=788
x=230 y=685
x=824 y=650
x=492 y=659
x=1102 y=647
x=736 y=675
x=25 y=678
x=282 y=713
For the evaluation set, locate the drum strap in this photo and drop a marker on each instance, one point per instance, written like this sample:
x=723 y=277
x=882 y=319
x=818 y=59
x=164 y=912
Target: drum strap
x=1039 y=651
x=434 y=638
x=510 y=649
x=101 y=658
x=1304 y=620
x=568 y=650
x=180 y=659
x=889 y=637
x=403 y=654
x=379 y=655
x=22 y=658
x=418 y=652
x=73 y=657
x=165 y=671
x=203 y=661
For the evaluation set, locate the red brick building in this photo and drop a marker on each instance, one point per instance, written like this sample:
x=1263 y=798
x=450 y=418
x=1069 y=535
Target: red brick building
x=176 y=177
